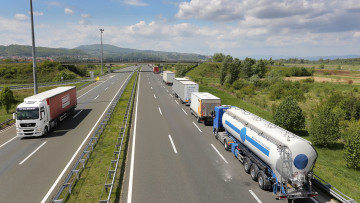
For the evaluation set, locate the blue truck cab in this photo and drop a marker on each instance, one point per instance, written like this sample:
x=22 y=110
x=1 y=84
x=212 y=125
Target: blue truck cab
x=219 y=112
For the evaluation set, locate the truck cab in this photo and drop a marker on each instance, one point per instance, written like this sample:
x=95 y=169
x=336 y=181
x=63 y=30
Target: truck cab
x=32 y=119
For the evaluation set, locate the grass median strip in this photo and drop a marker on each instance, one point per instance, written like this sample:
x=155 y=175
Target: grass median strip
x=91 y=182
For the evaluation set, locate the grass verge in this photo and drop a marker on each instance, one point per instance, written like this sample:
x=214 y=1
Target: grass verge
x=90 y=185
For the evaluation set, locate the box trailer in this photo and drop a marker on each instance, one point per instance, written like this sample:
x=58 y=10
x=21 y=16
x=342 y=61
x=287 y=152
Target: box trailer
x=168 y=77
x=184 y=90
x=202 y=106
x=176 y=82
x=156 y=69
x=41 y=112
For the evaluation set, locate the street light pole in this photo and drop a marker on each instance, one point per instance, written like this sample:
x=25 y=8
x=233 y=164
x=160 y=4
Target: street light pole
x=102 y=54
x=33 y=50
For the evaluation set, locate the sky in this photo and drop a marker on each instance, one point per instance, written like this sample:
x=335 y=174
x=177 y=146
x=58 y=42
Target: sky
x=236 y=27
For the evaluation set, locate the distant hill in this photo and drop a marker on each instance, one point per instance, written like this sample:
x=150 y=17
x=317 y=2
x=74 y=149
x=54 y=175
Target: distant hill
x=114 y=52
x=24 y=50
x=93 y=51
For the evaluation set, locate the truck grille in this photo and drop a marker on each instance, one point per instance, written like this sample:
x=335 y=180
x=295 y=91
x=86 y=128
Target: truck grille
x=27 y=124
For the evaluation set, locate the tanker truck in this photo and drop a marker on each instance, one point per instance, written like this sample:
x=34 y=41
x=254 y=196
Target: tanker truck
x=41 y=112
x=276 y=158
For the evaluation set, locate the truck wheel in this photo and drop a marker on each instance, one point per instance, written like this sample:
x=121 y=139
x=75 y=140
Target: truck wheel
x=55 y=123
x=205 y=122
x=247 y=164
x=261 y=180
x=198 y=119
x=216 y=133
x=45 y=130
x=253 y=171
x=226 y=145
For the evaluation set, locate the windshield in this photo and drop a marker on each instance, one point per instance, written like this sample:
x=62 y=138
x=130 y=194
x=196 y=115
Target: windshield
x=27 y=113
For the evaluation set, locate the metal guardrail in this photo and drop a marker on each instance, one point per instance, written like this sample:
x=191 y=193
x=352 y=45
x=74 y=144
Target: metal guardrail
x=6 y=123
x=337 y=194
x=85 y=155
x=112 y=171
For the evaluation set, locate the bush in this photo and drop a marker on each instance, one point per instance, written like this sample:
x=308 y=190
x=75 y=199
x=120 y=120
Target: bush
x=7 y=98
x=248 y=90
x=352 y=146
x=239 y=84
x=324 y=128
x=308 y=80
x=289 y=115
x=65 y=75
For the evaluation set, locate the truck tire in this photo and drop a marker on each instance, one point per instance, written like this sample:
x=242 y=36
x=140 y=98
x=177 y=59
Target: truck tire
x=247 y=164
x=198 y=119
x=205 y=122
x=45 y=130
x=253 y=171
x=216 y=133
x=226 y=145
x=261 y=180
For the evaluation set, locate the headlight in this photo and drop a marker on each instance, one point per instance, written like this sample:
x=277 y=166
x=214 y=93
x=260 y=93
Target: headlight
x=38 y=129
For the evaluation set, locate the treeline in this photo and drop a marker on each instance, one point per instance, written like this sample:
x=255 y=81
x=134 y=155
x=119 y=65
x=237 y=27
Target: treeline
x=350 y=61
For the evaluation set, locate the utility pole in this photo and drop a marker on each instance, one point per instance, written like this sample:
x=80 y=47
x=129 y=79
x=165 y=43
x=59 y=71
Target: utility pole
x=33 y=50
x=102 y=54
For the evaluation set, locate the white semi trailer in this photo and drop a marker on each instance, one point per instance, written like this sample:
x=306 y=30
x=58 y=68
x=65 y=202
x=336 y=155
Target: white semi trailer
x=176 y=82
x=41 y=112
x=184 y=89
x=168 y=77
x=274 y=157
x=202 y=106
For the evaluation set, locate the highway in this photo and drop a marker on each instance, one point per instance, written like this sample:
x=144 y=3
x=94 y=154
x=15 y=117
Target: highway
x=32 y=169
x=172 y=158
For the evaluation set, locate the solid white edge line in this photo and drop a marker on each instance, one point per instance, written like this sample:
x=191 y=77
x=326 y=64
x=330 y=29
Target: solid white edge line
x=173 y=145
x=32 y=153
x=96 y=97
x=8 y=141
x=177 y=102
x=184 y=111
x=78 y=113
x=253 y=194
x=197 y=126
x=131 y=176
x=154 y=96
x=217 y=151
x=160 y=110
x=77 y=151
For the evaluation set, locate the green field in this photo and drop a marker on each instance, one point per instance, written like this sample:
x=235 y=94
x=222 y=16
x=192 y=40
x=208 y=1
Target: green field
x=330 y=165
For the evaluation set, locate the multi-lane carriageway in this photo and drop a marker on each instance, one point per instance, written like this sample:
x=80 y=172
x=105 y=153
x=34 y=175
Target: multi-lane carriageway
x=171 y=157
x=32 y=169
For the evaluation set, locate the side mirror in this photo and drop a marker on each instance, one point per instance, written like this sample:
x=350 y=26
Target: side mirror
x=42 y=115
x=14 y=116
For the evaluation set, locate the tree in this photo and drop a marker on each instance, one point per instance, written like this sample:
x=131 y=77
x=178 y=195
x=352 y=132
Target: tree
x=324 y=128
x=352 y=146
x=7 y=98
x=234 y=70
x=225 y=66
x=259 y=68
x=247 y=67
x=218 y=57
x=289 y=115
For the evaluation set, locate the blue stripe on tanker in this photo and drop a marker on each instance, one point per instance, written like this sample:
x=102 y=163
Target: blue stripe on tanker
x=244 y=137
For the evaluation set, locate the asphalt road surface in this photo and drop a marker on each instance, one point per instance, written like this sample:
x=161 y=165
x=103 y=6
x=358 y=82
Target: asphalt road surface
x=32 y=169
x=172 y=158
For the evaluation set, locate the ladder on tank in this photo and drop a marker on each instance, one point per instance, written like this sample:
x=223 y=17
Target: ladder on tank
x=286 y=166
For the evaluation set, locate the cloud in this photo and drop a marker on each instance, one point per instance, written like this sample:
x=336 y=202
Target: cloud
x=20 y=16
x=85 y=19
x=68 y=11
x=213 y=10
x=135 y=3
x=37 y=13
